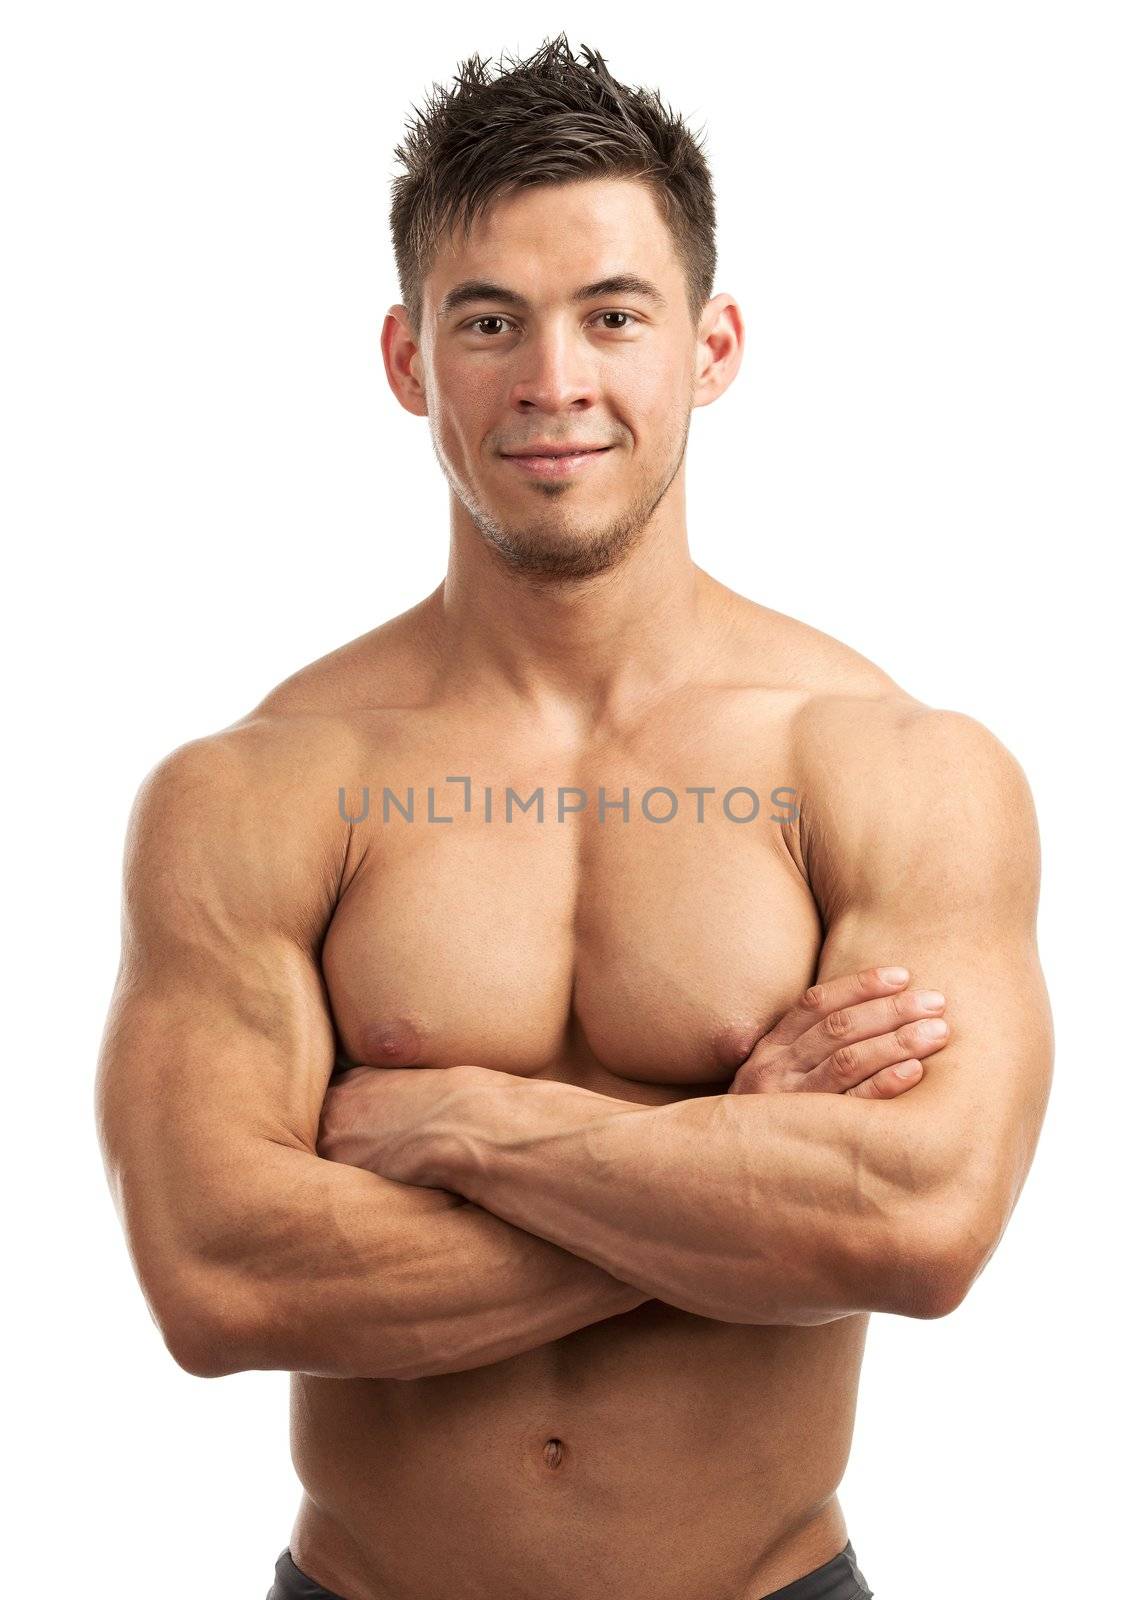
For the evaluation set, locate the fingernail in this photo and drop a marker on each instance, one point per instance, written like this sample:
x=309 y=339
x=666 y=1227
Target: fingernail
x=908 y=1069
x=933 y=1029
x=893 y=974
x=929 y=999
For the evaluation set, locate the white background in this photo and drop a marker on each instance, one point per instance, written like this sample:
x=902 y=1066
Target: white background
x=923 y=215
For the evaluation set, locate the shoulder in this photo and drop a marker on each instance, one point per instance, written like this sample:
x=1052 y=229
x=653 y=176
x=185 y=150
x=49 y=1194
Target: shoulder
x=308 y=735
x=885 y=784
x=243 y=825
x=391 y=666
x=890 y=743
x=848 y=718
x=892 y=790
x=252 y=765
x=770 y=650
x=268 y=799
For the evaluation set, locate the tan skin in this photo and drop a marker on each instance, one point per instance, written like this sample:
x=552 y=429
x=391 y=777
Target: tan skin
x=558 y=1044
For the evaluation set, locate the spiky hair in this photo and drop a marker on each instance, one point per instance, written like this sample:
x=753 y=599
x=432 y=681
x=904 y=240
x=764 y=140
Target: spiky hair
x=552 y=118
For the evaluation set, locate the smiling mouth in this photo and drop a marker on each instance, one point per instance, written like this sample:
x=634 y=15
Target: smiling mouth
x=553 y=455
x=557 y=466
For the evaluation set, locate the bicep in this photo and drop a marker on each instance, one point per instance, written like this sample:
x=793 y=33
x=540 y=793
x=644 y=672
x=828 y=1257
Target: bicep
x=964 y=1135
x=218 y=1045
x=944 y=880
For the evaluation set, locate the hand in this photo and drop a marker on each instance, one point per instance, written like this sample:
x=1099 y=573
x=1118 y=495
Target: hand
x=846 y=1036
x=393 y=1120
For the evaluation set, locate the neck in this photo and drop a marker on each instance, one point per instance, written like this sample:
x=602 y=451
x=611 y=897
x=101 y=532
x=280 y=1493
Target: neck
x=580 y=650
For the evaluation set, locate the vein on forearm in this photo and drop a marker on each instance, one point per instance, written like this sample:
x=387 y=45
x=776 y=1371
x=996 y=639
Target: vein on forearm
x=745 y=1208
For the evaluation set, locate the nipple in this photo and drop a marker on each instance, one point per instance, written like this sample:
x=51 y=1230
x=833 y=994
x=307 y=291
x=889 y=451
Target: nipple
x=395 y=1043
x=733 y=1044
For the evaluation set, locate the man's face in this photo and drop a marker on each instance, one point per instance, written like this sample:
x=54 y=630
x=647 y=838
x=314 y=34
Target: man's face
x=538 y=367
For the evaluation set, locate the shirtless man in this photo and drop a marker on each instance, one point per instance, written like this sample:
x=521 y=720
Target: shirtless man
x=562 y=1157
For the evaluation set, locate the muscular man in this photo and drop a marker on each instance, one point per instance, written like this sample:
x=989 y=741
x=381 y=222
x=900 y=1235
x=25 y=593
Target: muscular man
x=510 y=1040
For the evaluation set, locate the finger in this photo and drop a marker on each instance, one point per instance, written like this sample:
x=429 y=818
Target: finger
x=833 y=995
x=867 y=1020
x=889 y=1083
x=852 y=1064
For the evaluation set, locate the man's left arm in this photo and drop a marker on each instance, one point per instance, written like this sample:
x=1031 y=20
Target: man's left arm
x=921 y=843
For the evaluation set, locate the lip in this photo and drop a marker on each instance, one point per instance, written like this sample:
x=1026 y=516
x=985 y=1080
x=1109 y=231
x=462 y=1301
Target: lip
x=557 y=466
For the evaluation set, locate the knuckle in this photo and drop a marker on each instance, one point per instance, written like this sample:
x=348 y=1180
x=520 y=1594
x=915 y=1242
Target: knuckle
x=837 y=1023
x=842 y=1061
x=752 y=1075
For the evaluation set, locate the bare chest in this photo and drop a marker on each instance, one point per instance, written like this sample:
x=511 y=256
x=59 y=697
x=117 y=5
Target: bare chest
x=628 y=923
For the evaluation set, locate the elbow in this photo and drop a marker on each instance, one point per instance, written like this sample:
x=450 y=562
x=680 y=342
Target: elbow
x=208 y=1337
x=206 y=1352
x=932 y=1289
x=951 y=1247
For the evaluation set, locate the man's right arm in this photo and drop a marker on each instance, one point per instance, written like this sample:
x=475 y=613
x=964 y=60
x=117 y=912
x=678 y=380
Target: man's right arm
x=251 y=1249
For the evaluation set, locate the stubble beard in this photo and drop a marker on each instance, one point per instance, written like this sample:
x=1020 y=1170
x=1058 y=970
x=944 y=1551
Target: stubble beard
x=549 y=547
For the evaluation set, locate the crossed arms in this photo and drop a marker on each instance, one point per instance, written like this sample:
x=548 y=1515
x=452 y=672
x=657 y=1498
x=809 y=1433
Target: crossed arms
x=254 y=1251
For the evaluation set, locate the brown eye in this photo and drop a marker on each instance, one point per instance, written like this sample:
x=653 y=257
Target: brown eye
x=479 y=320
x=477 y=325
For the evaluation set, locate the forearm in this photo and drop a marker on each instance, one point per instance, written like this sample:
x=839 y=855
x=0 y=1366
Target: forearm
x=344 y=1274
x=744 y=1208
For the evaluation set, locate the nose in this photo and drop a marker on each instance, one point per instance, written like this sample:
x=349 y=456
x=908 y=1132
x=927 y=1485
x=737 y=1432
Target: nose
x=554 y=371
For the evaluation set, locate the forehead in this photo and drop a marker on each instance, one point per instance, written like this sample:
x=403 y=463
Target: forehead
x=555 y=236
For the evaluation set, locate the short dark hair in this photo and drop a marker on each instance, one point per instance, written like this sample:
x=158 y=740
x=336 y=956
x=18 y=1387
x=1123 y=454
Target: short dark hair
x=552 y=118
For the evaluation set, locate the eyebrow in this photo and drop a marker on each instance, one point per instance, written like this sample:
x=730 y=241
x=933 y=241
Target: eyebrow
x=473 y=290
